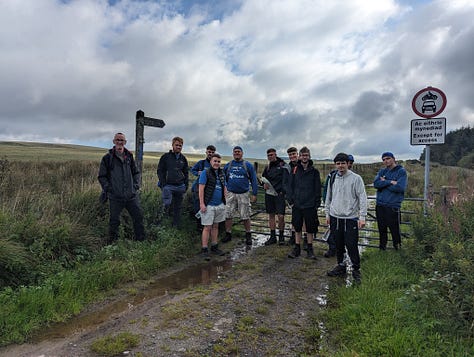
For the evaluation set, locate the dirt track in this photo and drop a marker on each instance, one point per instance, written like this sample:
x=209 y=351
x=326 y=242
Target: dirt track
x=261 y=306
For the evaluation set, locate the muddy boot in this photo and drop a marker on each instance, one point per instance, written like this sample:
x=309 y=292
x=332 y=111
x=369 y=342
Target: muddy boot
x=295 y=252
x=281 y=238
x=272 y=239
x=216 y=251
x=248 y=238
x=205 y=254
x=292 y=238
x=305 y=241
x=310 y=251
x=227 y=238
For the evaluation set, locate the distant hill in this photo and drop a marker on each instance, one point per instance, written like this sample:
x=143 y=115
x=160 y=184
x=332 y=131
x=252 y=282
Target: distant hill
x=458 y=149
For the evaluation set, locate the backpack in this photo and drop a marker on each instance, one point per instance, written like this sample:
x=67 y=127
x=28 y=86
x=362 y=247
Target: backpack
x=194 y=187
x=245 y=162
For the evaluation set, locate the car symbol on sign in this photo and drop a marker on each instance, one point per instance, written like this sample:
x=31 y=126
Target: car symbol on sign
x=428 y=105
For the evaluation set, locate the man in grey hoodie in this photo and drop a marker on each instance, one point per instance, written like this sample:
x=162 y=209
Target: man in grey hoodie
x=346 y=209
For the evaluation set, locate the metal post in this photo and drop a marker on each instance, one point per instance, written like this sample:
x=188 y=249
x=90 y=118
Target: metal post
x=139 y=140
x=427 y=179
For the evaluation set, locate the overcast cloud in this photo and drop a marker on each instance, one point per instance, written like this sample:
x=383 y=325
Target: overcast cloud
x=332 y=75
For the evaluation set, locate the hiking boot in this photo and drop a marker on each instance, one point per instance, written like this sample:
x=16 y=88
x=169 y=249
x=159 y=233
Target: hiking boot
x=248 y=238
x=330 y=253
x=356 y=276
x=227 y=238
x=292 y=238
x=295 y=252
x=205 y=254
x=271 y=240
x=216 y=251
x=337 y=271
x=281 y=238
x=310 y=251
x=305 y=242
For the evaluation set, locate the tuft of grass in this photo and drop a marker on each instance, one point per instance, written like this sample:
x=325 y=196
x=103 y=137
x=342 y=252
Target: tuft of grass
x=115 y=345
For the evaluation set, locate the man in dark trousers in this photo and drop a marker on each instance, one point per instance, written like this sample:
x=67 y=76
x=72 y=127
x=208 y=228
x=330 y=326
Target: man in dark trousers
x=305 y=197
x=391 y=183
x=346 y=210
x=119 y=178
x=173 y=175
x=275 y=204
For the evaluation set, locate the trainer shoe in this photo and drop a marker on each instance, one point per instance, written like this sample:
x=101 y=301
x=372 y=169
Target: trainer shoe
x=205 y=254
x=310 y=254
x=271 y=240
x=337 y=271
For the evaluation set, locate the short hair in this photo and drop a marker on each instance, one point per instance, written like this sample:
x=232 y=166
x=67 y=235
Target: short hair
x=305 y=150
x=216 y=155
x=291 y=149
x=211 y=147
x=341 y=157
x=271 y=150
x=177 y=139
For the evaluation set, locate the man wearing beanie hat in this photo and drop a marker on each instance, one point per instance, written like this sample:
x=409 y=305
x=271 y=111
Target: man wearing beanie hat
x=239 y=174
x=390 y=182
x=346 y=209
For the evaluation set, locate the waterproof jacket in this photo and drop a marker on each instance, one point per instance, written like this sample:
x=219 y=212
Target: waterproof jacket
x=173 y=170
x=119 y=179
x=305 y=187
x=387 y=194
x=287 y=176
x=346 y=197
x=275 y=173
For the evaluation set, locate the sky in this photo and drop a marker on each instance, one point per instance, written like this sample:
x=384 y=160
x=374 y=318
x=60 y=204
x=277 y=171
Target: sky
x=336 y=76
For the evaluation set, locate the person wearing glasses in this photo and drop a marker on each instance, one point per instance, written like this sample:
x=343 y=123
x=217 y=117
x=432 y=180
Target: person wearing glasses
x=119 y=178
x=196 y=170
x=173 y=174
x=391 y=183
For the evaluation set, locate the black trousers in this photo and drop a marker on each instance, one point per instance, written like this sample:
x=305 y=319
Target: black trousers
x=134 y=209
x=388 y=218
x=346 y=234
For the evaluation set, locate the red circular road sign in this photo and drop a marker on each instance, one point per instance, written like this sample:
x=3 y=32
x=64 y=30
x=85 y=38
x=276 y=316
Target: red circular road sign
x=429 y=102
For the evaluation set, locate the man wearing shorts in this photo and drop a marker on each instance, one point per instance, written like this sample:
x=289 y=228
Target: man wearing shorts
x=239 y=174
x=304 y=197
x=211 y=205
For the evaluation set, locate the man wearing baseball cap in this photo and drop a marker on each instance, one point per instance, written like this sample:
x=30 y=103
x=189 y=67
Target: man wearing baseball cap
x=391 y=183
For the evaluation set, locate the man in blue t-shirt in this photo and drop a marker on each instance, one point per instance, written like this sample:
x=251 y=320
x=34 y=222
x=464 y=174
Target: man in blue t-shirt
x=211 y=205
x=239 y=175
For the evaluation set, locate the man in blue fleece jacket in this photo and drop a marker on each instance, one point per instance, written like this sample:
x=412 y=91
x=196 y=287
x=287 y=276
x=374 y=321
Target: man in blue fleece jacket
x=239 y=175
x=391 y=183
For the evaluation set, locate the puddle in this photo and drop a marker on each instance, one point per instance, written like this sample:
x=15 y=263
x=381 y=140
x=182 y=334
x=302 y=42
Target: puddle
x=200 y=274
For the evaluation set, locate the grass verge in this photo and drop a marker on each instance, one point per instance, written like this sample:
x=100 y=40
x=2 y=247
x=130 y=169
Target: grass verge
x=375 y=318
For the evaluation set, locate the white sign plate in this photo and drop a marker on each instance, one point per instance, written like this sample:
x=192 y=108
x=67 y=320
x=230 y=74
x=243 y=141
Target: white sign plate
x=428 y=131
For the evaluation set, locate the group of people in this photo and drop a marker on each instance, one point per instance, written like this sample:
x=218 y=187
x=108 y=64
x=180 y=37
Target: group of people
x=219 y=192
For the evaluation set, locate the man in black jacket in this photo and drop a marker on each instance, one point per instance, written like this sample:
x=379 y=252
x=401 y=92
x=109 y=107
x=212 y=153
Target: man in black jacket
x=274 y=175
x=173 y=175
x=119 y=178
x=305 y=197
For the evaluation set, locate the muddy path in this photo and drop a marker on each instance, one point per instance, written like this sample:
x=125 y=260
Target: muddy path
x=253 y=302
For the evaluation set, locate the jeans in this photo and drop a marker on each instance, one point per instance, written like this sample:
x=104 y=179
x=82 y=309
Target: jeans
x=173 y=199
x=134 y=209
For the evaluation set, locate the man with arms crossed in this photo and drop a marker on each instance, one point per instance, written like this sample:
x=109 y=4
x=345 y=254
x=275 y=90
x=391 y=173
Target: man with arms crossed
x=391 y=183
